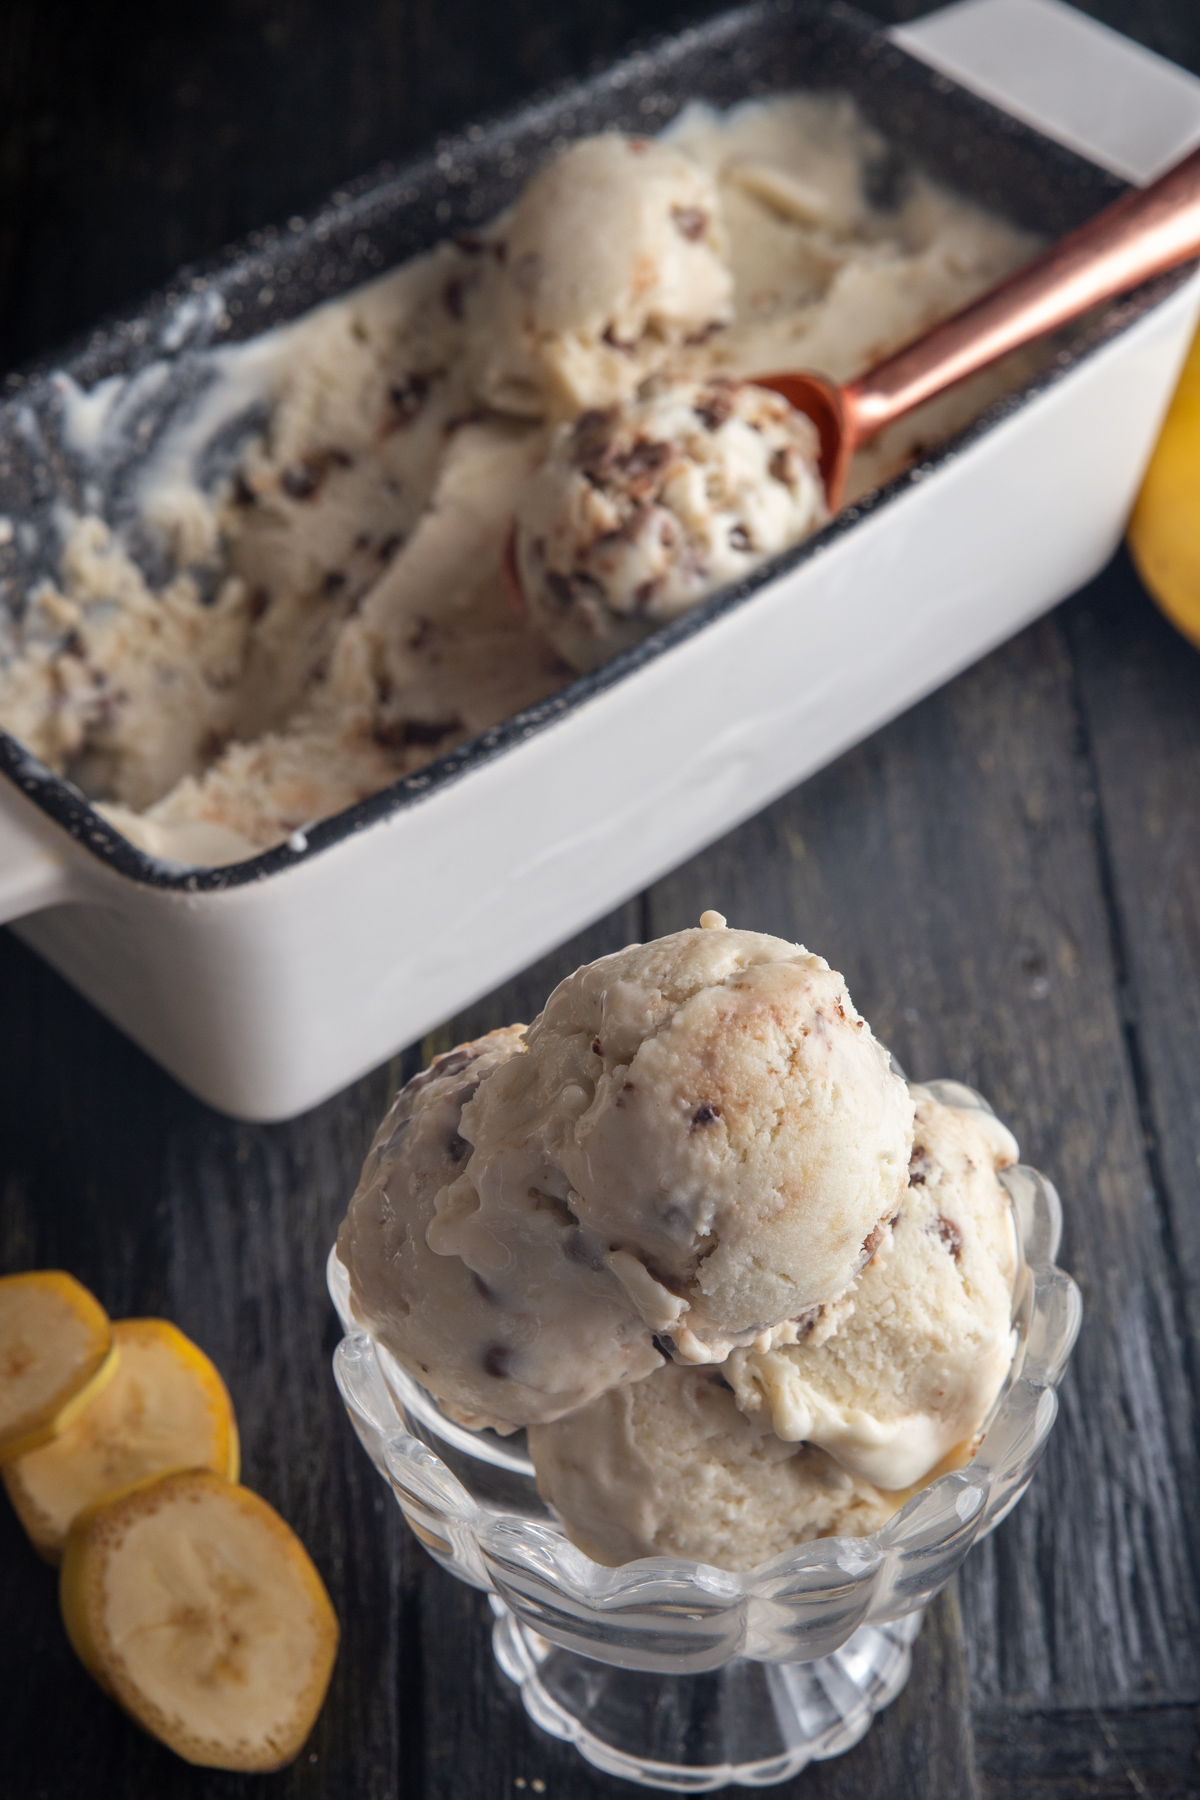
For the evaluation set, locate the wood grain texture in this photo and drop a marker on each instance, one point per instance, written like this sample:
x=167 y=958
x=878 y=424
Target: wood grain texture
x=1009 y=876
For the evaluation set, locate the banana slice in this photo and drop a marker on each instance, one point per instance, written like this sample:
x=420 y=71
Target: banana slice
x=199 y=1611
x=166 y=1408
x=56 y=1353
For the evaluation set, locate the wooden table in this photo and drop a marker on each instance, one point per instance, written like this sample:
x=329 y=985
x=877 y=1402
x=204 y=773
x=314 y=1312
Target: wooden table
x=1009 y=877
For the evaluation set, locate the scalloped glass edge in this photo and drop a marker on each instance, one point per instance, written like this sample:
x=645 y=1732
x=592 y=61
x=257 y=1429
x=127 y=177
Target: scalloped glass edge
x=671 y=1615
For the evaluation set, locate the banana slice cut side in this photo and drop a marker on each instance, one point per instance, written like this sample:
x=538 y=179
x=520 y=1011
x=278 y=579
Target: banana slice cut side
x=57 y=1351
x=165 y=1408
x=199 y=1610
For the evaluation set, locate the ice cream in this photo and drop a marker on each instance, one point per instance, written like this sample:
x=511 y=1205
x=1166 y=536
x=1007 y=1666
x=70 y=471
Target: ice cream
x=670 y=1467
x=282 y=587
x=614 y=257
x=533 y=1327
x=695 y=1142
x=641 y=510
x=743 y=1284
x=717 y=1118
x=901 y=1372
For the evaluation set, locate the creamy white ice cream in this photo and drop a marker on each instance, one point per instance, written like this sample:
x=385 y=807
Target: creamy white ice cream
x=717 y=1120
x=529 y=1326
x=641 y=510
x=901 y=1372
x=614 y=256
x=670 y=1467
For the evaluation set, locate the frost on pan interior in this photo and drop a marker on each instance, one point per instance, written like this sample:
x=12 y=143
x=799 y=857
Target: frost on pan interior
x=259 y=637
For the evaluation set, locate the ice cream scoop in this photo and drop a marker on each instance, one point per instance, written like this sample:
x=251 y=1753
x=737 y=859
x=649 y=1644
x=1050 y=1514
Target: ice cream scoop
x=713 y=1119
x=900 y=1373
x=640 y=510
x=1138 y=236
x=670 y=1467
x=525 y=1332
x=613 y=256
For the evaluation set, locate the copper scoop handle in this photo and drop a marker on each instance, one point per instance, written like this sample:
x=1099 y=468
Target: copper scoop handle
x=1142 y=234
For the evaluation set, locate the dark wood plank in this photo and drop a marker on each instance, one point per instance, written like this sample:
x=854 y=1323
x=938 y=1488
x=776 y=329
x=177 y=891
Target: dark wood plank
x=1104 y=1756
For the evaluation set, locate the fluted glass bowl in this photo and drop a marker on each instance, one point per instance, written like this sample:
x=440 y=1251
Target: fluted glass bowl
x=845 y=1608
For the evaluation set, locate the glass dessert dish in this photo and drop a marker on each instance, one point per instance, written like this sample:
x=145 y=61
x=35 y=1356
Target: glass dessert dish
x=676 y=1674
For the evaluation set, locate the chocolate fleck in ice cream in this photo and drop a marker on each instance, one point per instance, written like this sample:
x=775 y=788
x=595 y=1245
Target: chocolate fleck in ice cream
x=670 y=1467
x=691 y=1147
x=641 y=510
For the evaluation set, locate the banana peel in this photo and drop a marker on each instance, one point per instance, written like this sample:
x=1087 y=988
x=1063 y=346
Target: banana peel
x=1164 y=529
x=57 y=1352
x=199 y=1611
x=165 y=1408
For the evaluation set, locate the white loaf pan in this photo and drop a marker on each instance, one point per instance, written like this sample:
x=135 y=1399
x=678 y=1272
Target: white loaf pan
x=267 y=986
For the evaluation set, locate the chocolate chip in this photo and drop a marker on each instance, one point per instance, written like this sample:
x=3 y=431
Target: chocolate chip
x=690 y=222
x=644 y=462
x=428 y=732
x=567 y=590
x=783 y=465
x=596 y=1050
x=716 y=406
x=405 y=734
x=470 y=243
x=213 y=742
x=919 y=1165
x=644 y=593
x=332 y=581
x=389 y=547
x=407 y=397
x=451 y=1062
x=624 y=345
x=705 y=1114
x=300 y=481
x=591 y=441
x=341 y=459
x=243 y=493
x=72 y=644
x=872 y=1242
x=949 y=1234
x=805 y=1321
x=497 y=1360
x=740 y=539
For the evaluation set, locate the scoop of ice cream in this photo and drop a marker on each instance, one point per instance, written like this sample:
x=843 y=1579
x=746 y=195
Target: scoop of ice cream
x=641 y=510
x=711 y=1117
x=529 y=1331
x=903 y=1370
x=670 y=1467
x=614 y=254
